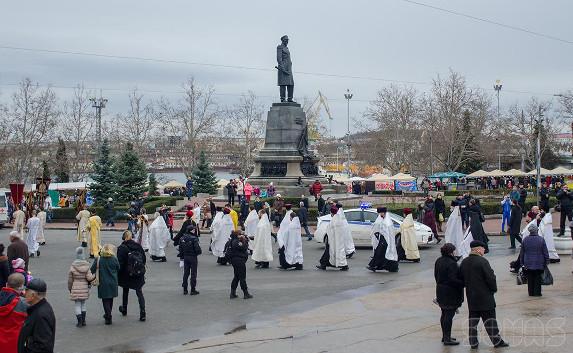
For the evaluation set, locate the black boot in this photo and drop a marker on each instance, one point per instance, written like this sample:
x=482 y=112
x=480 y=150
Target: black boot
x=83 y=318
x=233 y=295
x=123 y=310
x=79 y=317
x=142 y=315
x=247 y=295
x=107 y=319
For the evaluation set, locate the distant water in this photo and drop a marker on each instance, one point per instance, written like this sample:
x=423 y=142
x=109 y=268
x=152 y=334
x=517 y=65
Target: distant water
x=164 y=177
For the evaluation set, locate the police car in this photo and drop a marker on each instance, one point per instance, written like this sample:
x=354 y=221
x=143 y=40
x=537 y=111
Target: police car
x=361 y=220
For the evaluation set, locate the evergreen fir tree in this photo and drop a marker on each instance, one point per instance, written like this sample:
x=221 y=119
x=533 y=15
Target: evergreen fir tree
x=45 y=170
x=472 y=160
x=204 y=180
x=152 y=184
x=130 y=175
x=103 y=185
x=62 y=166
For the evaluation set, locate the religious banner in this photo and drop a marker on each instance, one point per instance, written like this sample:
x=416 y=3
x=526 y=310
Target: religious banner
x=17 y=193
x=384 y=185
x=406 y=185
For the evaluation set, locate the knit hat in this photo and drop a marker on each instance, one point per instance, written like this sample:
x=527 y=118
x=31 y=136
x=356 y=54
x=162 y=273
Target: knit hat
x=80 y=254
x=18 y=263
x=189 y=214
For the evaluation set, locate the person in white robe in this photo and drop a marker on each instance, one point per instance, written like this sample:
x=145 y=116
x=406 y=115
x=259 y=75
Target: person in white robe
x=19 y=221
x=143 y=230
x=334 y=254
x=196 y=213
x=83 y=217
x=42 y=215
x=33 y=226
x=454 y=231
x=158 y=237
x=385 y=255
x=263 y=245
x=290 y=247
x=546 y=230
x=349 y=248
x=222 y=229
x=283 y=227
x=465 y=249
x=408 y=246
x=251 y=223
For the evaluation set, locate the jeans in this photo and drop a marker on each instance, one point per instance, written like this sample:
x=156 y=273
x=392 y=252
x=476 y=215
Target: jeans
x=446 y=322
x=534 y=282
x=140 y=298
x=489 y=322
x=189 y=265
x=504 y=221
x=231 y=199
x=107 y=306
x=240 y=275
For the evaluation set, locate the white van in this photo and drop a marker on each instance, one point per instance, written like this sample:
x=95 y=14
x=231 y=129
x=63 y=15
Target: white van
x=3 y=207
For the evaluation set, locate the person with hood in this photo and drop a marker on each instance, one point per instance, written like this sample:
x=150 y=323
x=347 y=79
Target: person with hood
x=238 y=254
x=251 y=223
x=385 y=256
x=407 y=248
x=19 y=266
x=440 y=211
x=38 y=333
x=83 y=217
x=454 y=231
x=334 y=251
x=12 y=313
x=19 y=221
x=33 y=226
x=449 y=291
x=349 y=248
x=430 y=217
x=480 y=283
x=94 y=228
x=189 y=249
x=158 y=238
x=42 y=215
x=79 y=278
x=290 y=244
x=106 y=267
x=131 y=273
x=515 y=223
x=222 y=228
x=534 y=256
x=263 y=246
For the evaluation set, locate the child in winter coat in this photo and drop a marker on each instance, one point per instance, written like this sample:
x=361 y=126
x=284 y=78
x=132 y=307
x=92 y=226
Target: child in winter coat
x=19 y=266
x=79 y=279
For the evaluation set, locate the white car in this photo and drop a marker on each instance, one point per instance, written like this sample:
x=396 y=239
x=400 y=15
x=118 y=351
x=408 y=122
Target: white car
x=361 y=221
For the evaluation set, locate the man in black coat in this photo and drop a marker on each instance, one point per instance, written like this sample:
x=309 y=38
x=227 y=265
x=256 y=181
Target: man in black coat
x=522 y=198
x=39 y=330
x=303 y=217
x=566 y=203
x=449 y=290
x=189 y=249
x=238 y=256
x=480 y=282
x=127 y=280
x=544 y=197
x=320 y=204
x=515 y=224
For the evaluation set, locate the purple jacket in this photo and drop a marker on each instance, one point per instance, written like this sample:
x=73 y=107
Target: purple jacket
x=534 y=254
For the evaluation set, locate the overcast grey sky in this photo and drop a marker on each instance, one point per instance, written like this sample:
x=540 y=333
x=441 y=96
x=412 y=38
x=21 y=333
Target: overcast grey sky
x=390 y=39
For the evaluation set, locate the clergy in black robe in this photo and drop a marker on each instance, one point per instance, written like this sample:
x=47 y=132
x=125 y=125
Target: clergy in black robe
x=385 y=256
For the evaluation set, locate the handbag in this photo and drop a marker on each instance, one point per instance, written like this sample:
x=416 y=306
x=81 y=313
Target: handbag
x=95 y=282
x=521 y=277
x=547 y=277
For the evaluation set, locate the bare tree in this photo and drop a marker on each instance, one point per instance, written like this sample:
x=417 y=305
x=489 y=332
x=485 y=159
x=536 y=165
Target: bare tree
x=248 y=117
x=193 y=118
x=394 y=116
x=32 y=118
x=77 y=128
x=137 y=125
x=4 y=146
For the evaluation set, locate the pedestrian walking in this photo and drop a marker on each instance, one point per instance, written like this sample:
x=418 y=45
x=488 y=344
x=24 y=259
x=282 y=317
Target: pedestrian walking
x=439 y=211
x=189 y=249
x=303 y=217
x=12 y=313
x=238 y=253
x=290 y=244
x=515 y=223
x=449 y=291
x=94 y=228
x=39 y=330
x=33 y=226
x=534 y=257
x=42 y=216
x=131 y=275
x=506 y=212
x=430 y=217
x=480 y=282
x=109 y=213
x=79 y=279
x=106 y=267
x=83 y=218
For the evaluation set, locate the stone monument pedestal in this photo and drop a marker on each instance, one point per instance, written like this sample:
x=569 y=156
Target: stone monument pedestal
x=285 y=156
x=564 y=244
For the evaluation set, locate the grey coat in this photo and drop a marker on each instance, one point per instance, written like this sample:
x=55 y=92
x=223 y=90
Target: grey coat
x=284 y=66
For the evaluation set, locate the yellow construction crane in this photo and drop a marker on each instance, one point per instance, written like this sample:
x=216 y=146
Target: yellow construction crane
x=313 y=116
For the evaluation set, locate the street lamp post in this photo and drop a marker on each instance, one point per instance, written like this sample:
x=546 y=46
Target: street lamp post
x=348 y=96
x=539 y=122
x=99 y=104
x=497 y=87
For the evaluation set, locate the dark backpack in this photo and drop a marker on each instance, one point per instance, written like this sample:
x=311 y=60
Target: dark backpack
x=228 y=250
x=135 y=264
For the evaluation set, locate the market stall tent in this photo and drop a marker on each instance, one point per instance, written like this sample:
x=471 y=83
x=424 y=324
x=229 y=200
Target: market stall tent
x=543 y=171
x=478 y=174
x=447 y=175
x=402 y=177
x=173 y=184
x=514 y=172
x=562 y=171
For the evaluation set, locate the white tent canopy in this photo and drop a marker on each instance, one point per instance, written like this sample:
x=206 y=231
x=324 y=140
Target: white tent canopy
x=543 y=171
x=77 y=185
x=514 y=172
x=403 y=177
x=173 y=184
x=562 y=171
x=379 y=177
x=478 y=174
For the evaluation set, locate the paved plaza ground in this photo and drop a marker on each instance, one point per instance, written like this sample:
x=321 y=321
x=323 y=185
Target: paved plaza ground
x=301 y=311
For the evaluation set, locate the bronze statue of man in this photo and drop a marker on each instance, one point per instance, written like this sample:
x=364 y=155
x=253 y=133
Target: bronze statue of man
x=284 y=67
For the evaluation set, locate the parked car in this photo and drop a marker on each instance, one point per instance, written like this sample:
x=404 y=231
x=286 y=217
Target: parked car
x=361 y=221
